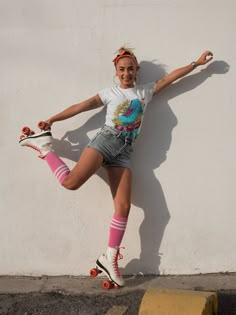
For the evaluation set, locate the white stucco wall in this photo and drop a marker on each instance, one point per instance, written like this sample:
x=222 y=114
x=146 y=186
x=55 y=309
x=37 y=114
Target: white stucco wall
x=58 y=52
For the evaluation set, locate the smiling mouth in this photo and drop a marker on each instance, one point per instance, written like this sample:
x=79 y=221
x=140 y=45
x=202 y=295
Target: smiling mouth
x=127 y=79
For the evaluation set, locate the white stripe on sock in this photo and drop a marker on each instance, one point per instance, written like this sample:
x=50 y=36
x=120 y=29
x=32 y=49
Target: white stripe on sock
x=60 y=169
x=62 y=173
x=119 y=222
x=118 y=228
x=118 y=225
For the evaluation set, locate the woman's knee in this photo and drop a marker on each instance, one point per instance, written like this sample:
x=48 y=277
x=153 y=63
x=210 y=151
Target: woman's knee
x=70 y=184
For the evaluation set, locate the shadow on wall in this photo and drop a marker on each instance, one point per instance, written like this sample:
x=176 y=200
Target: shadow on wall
x=150 y=153
x=152 y=146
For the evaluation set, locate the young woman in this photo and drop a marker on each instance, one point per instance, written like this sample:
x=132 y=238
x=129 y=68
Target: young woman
x=112 y=146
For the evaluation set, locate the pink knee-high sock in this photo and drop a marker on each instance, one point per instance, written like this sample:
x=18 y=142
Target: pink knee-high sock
x=117 y=230
x=58 y=167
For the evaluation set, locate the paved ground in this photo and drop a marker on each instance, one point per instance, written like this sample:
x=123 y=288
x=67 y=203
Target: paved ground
x=59 y=304
x=84 y=296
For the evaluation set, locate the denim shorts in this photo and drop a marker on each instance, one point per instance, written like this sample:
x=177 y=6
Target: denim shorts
x=115 y=148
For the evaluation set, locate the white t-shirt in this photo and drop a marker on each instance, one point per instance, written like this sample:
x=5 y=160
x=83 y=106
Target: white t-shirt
x=126 y=107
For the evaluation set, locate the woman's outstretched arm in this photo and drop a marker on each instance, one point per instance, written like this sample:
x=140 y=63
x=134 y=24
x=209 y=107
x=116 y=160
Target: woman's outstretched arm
x=91 y=103
x=181 y=72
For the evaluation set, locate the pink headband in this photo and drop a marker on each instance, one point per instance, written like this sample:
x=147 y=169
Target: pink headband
x=125 y=53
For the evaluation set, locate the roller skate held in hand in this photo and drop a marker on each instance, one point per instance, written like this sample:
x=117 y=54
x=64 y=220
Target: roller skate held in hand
x=40 y=142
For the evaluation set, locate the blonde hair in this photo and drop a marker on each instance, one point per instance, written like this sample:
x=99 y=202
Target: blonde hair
x=124 y=48
x=125 y=52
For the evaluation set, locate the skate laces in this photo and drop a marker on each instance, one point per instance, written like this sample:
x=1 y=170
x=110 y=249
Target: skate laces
x=35 y=148
x=115 y=259
x=38 y=147
x=46 y=147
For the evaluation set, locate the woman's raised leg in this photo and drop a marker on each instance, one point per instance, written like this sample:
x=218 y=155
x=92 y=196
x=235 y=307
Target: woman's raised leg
x=88 y=164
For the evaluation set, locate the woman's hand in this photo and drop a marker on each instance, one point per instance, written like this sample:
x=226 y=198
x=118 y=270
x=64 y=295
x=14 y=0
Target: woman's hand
x=204 y=58
x=48 y=124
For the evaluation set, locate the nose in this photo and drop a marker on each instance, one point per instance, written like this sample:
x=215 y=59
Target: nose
x=127 y=72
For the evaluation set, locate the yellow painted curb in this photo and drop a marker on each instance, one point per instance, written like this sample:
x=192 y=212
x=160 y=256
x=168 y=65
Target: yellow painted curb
x=178 y=302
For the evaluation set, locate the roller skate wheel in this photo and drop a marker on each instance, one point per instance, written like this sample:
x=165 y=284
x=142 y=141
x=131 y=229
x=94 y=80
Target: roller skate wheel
x=42 y=125
x=106 y=285
x=93 y=273
x=22 y=137
x=116 y=286
x=26 y=131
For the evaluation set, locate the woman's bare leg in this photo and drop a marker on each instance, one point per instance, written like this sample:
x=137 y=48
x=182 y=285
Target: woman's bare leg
x=120 y=183
x=120 y=180
x=88 y=164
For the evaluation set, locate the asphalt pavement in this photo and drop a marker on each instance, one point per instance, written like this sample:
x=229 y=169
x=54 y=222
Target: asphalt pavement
x=85 y=296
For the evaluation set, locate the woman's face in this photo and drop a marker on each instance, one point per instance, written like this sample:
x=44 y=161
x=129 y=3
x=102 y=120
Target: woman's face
x=126 y=70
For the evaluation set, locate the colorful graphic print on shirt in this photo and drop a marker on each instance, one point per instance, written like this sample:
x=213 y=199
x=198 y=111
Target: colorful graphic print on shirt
x=128 y=117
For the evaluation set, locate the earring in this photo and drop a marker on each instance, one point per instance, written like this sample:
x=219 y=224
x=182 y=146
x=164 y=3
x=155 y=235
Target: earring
x=114 y=80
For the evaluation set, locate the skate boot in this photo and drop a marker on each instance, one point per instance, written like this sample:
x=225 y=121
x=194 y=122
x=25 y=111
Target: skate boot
x=108 y=264
x=40 y=142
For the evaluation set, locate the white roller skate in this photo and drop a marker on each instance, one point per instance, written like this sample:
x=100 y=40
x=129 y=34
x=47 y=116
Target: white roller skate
x=108 y=263
x=40 y=142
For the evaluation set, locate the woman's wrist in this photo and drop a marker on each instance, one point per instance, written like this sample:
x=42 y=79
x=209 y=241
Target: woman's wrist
x=194 y=64
x=49 y=122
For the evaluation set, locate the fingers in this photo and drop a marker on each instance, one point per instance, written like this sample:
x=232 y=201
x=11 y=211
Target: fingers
x=49 y=123
x=207 y=56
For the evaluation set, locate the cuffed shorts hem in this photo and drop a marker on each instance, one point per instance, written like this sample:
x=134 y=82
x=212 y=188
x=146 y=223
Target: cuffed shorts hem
x=116 y=149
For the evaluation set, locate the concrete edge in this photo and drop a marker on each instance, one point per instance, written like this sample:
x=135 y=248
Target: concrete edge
x=85 y=284
x=182 y=302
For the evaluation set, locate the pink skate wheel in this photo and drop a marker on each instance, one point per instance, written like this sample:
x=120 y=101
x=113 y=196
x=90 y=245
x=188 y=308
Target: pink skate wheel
x=93 y=273
x=42 y=125
x=26 y=130
x=116 y=286
x=106 y=285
